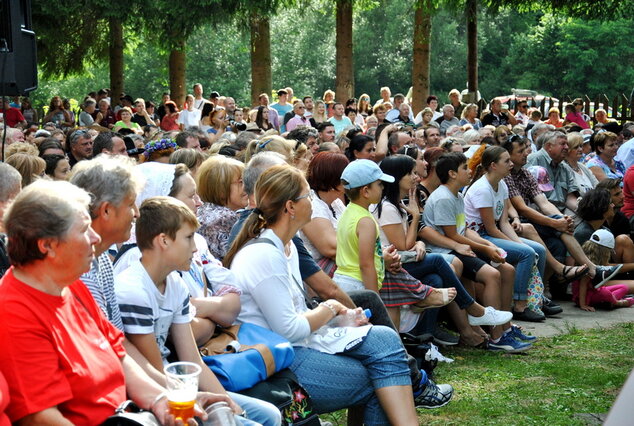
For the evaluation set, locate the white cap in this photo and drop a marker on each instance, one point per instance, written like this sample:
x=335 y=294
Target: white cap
x=603 y=237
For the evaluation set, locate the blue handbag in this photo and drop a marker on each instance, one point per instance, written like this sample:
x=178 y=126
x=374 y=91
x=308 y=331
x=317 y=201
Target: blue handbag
x=243 y=355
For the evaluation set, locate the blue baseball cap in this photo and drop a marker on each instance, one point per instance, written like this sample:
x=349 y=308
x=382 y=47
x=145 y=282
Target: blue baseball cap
x=363 y=172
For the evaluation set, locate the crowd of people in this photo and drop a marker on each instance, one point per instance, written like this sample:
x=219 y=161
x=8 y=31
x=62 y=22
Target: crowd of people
x=131 y=232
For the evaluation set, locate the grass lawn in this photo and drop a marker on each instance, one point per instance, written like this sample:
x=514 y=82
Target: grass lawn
x=578 y=372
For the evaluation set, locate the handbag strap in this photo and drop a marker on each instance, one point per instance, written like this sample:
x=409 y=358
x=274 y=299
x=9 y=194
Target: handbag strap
x=309 y=303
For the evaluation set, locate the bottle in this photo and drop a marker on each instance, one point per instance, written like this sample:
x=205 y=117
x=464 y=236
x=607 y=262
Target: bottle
x=350 y=318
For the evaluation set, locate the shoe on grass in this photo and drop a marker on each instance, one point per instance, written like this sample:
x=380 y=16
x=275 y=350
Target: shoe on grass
x=442 y=337
x=509 y=345
x=517 y=333
x=491 y=317
x=605 y=274
x=433 y=395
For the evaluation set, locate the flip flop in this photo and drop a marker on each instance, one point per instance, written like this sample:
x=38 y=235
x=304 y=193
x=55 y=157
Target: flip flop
x=446 y=299
x=581 y=271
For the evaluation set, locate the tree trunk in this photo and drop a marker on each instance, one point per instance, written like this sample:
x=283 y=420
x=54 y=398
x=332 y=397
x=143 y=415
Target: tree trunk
x=472 y=50
x=260 y=57
x=115 y=51
x=345 y=67
x=421 y=55
x=177 y=70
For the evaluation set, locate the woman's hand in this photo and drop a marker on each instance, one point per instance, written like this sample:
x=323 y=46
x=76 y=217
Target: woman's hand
x=494 y=255
x=419 y=248
x=360 y=318
x=412 y=206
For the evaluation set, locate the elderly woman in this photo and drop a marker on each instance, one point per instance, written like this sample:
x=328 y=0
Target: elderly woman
x=222 y=191
x=470 y=116
x=373 y=372
x=85 y=117
x=584 y=178
x=603 y=164
x=105 y=117
x=63 y=361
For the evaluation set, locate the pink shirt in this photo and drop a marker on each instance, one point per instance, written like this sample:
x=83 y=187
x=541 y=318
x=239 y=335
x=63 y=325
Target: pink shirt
x=297 y=121
x=577 y=118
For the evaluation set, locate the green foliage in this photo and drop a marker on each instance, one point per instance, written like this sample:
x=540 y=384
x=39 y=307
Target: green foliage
x=549 y=53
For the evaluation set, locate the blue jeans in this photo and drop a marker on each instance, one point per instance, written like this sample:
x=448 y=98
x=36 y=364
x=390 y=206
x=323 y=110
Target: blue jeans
x=336 y=381
x=435 y=264
x=258 y=411
x=523 y=256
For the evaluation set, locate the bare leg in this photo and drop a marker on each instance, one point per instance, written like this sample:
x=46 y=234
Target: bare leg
x=398 y=404
x=459 y=317
x=577 y=253
x=457 y=267
x=624 y=249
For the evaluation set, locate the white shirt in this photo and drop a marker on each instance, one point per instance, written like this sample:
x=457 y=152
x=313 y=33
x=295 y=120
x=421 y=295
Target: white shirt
x=321 y=211
x=189 y=118
x=481 y=195
x=625 y=154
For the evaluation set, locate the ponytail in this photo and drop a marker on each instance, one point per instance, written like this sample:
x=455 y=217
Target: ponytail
x=252 y=227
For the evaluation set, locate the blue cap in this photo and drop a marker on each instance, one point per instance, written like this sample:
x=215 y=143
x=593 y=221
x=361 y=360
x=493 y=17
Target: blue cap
x=363 y=172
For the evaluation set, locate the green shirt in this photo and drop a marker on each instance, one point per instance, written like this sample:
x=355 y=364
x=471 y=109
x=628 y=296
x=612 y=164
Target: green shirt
x=348 y=244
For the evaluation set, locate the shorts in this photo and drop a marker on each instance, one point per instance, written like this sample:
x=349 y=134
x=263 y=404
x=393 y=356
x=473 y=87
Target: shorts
x=471 y=265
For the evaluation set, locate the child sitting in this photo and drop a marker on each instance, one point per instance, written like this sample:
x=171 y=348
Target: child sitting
x=154 y=300
x=599 y=249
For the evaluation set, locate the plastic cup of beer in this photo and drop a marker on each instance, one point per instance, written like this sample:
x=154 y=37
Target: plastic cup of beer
x=219 y=414
x=182 y=387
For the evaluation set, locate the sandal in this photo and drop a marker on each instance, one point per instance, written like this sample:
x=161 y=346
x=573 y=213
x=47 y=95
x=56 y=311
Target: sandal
x=579 y=271
x=425 y=304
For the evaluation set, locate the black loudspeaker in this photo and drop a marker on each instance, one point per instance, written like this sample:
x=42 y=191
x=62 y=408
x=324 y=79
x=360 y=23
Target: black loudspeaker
x=18 y=61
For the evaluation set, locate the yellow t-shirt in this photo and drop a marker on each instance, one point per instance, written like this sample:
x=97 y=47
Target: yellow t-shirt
x=348 y=244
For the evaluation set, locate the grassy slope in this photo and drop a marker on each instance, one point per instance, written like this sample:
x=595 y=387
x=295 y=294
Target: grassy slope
x=579 y=372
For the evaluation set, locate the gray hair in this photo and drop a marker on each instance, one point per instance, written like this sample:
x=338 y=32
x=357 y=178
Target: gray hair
x=107 y=178
x=89 y=102
x=258 y=164
x=10 y=182
x=78 y=135
x=549 y=138
x=538 y=130
x=470 y=135
x=44 y=209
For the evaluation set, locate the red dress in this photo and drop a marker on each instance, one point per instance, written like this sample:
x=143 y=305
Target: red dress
x=170 y=122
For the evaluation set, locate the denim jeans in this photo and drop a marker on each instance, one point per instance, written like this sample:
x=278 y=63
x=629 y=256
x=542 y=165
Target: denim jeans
x=258 y=411
x=435 y=264
x=523 y=256
x=336 y=381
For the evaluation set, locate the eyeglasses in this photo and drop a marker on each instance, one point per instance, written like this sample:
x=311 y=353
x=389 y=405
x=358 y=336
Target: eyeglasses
x=523 y=106
x=308 y=195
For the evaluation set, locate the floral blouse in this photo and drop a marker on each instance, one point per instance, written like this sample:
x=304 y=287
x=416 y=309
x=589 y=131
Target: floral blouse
x=617 y=173
x=215 y=225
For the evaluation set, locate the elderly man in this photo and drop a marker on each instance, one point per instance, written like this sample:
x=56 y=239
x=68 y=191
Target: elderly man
x=109 y=143
x=455 y=99
x=447 y=119
x=404 y=115
x=551 y=157
x=386 y=94
x=392 y=115
x=10 y=185
x=79 y=147
x=114 y=186
x=496 y=117
x=549 y=226
x=299 y=119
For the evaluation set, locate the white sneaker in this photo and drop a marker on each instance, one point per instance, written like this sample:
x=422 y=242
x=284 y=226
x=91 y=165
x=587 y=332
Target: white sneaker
x=491 y=317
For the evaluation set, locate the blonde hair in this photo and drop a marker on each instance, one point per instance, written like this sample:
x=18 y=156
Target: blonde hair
x=596 y=253
x=273 y=189
x=215 y=177
x=23 y=147
x=270 y=143
x=575 y=140
x=30 y=167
